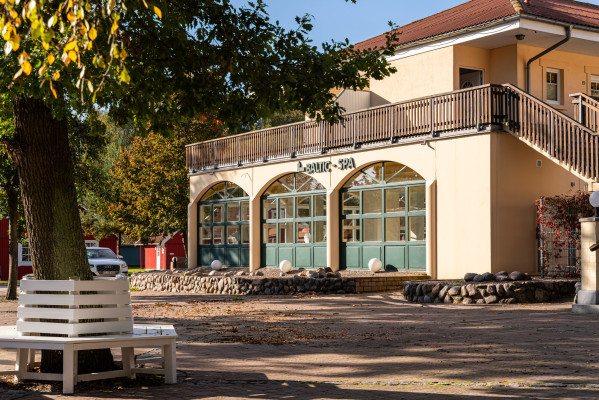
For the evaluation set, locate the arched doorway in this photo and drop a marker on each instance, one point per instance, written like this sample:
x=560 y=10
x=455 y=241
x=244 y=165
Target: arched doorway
x=383 y=215
x=294 y=222
x=223 y=226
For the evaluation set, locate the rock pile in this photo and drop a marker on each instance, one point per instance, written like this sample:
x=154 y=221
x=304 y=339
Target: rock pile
x=507 y=292
x=229 y=282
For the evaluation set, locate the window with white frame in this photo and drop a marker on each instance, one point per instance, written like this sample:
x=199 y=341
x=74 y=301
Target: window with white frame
x=24 y=255
x=595 y=86
x=92 y=243
x=552 y=80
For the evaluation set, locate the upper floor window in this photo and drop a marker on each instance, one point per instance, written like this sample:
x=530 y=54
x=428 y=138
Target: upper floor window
x=24 y=256
x=595 y=86
x=553 y=85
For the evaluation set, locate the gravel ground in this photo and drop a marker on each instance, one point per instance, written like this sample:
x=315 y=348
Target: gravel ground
x=356 y=347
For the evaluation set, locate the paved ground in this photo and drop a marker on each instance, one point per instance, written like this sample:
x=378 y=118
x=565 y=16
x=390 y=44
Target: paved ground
x=358 y=347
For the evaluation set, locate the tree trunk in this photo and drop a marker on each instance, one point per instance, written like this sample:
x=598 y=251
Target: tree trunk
x=40 y=150
x=12 y=200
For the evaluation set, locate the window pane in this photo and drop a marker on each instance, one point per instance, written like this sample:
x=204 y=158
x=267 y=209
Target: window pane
x=351 y=230
x=395 y=200
x=233 y=212
x=395 y=229
x=303 y=234
x=351 y=203
x=373 y=230
x=25 y=255
x=245 y=211
x=269 y=233
x=286 y=208
x=205 y=235
x=361 y=179
x=320 y=231
x=320 y=205
x=417 y=198
x=375 y=171
x=269 y=207
x=245 y=234
x=218 y=213
x=418 y=228
x=286 y=232
x=233 y=235
x=277 y=188
x=392 y=168
x=551 y=92
x=210 y=196
x=288 y=181
x=220 y=189
x=303 y=207
x=205 y=214
x=373 y=203
x=301 y=182
x=217 y=235
x=406 y=175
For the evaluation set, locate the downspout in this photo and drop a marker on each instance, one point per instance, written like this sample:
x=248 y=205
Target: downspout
x=541 y=54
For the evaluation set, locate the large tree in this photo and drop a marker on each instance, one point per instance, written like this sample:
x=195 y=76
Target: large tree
x=155 y=62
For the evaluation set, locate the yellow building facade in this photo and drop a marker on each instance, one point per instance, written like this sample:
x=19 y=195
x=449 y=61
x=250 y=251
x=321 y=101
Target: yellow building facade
x=440 y=174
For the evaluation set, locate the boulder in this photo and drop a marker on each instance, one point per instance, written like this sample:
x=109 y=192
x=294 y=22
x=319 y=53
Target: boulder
x=454 y=291
x=491 y=299
x=517 y=276
x=478 y=278
x=469 y=276
x=488 y=277
x=502 y=278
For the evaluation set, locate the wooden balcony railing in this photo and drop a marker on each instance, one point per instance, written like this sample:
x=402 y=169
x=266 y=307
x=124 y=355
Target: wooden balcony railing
x=586 y=110
x=469 y=111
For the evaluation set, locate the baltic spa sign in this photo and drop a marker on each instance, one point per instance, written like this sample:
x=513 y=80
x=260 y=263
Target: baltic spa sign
x=325 y=166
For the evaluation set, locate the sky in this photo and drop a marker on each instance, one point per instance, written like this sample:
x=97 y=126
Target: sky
x=337 y=19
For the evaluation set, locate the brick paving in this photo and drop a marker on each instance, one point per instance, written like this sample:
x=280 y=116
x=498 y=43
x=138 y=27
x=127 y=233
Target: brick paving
x=370 y=346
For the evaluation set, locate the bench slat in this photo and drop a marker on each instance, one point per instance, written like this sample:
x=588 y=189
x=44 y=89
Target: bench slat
x=70 y=286
x=74 y=300
x=70 y=329
x=74 y=313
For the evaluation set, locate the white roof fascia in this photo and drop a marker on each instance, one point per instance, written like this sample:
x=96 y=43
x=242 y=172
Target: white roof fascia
x=458 y=39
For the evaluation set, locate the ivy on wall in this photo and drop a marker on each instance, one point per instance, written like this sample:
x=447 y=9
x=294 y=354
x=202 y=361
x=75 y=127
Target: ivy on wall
x=558 y=227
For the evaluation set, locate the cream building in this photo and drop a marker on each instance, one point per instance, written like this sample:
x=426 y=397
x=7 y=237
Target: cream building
x=436 y=168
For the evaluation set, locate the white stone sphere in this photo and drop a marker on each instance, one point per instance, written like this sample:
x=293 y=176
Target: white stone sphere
x=595 y=199
x=216 y=265
x=285 y=266
x=375 y=265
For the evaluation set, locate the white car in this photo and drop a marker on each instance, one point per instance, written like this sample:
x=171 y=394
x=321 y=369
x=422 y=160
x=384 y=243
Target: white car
x=104 y=262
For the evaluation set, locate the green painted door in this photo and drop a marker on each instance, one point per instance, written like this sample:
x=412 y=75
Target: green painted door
x=383 y=209
x=223 y=226
x=294 y=222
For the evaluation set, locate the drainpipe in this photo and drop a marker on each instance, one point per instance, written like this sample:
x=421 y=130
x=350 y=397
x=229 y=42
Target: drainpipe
x=541 y=54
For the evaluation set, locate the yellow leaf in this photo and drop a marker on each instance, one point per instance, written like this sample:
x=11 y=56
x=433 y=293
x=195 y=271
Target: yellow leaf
x=158 y=12
x=71 y=16
x=115 y=26
x=46 y=45
x=15 y=43
x=19 y=73
x=26 y=67
x=123 y=54
x=51 y=59
x=53 y=91
x=125 y=76
x=73 y=55
x=56 y=76
x=70 y=46
x=93 y=34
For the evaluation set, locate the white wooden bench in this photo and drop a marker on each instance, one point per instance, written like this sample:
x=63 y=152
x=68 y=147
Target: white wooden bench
x=56 y=315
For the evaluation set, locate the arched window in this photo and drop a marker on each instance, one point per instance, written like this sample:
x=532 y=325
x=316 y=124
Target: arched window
x=223 y=224
x=294 y=221
x=383 y=215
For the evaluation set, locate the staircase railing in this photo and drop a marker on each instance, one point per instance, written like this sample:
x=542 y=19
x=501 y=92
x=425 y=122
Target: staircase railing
x=552 y=132
x=586 y=110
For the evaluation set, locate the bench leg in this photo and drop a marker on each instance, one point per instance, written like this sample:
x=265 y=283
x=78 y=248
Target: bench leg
x=169 y=353
x=21 y=363
x=68 y=369
x=31 y=360
x=128 y=361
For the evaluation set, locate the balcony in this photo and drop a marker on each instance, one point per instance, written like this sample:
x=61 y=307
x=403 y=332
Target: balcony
x=463 y=112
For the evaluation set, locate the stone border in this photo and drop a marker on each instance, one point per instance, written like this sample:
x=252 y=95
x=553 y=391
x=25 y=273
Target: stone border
x=233 y=285
x=535 y=291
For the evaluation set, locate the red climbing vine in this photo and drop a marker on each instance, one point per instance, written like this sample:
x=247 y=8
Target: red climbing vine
x=558 y=221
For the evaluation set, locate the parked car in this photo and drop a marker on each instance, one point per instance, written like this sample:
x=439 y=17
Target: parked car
x=104 y=262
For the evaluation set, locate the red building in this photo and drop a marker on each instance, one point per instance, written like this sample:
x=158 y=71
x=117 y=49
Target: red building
x=24 y=256
x=159 y=252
